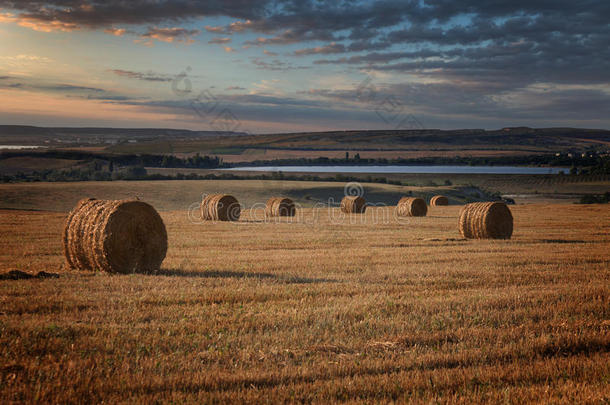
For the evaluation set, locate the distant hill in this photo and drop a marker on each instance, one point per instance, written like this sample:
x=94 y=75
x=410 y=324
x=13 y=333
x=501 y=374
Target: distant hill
x=22 y=134
x=504 y=136
x=235 y=147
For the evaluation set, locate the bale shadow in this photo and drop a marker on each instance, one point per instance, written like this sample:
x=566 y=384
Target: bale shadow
x=22 y=275
x=562 y=241
x=444 y=240
x=251 y=221
x=242 y=274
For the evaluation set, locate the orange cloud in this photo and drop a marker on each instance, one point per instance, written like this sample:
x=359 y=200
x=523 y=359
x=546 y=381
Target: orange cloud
x=239 y=26
x=37 y=24
x=209 y=28
x=175 y=34
x=118 y=32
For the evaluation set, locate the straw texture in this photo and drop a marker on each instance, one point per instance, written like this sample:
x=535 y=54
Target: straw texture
x=411 y=207
x=220 y=207
x=439 y=200
x=280 y=207
x=352 y=204
x=486 y=220
x=115 y=236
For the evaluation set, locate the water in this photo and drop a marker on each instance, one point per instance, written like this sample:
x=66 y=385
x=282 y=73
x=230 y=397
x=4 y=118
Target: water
x=407 y=169
x=17 y=147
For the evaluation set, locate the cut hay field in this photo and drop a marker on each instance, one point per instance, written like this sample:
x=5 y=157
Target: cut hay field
x=180 y=194
x=325 y=309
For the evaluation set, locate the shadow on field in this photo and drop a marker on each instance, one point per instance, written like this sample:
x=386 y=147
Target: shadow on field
x=242 y=274
x=562 y=241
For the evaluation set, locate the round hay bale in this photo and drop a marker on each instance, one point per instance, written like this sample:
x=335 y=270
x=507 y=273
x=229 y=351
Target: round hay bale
x=486 y=220
x=115 y=236
x=220 y=207
x=439 y=200
x=280 y=207
x=411 y=207
x=353 y=204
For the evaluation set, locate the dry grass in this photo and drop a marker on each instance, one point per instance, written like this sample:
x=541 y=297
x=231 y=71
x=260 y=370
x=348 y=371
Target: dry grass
x=261 y=312
x=180 y=194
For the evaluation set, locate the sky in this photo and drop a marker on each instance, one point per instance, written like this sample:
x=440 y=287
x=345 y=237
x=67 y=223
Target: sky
x=264 y=66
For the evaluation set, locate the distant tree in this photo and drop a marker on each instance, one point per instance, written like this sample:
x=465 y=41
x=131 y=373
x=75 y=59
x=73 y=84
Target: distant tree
x=589 y=199
x=594 y=199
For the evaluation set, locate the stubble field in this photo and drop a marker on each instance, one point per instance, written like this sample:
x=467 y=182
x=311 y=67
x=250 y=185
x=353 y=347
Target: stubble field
x=324 y=309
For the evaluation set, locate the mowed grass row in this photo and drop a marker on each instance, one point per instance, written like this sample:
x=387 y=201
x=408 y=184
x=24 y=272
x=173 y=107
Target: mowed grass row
x=326 y=309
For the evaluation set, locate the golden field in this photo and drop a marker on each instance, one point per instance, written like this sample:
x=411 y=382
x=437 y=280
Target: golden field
x=324 y=308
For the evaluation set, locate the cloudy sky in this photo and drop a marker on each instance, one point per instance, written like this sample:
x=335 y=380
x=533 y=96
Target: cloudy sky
x=271 y=66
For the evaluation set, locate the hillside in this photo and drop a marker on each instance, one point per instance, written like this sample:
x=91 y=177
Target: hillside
x=370 y=144
x=63 y=136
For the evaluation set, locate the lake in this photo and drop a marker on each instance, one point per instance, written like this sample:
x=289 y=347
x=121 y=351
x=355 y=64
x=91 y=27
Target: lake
x=407 y=169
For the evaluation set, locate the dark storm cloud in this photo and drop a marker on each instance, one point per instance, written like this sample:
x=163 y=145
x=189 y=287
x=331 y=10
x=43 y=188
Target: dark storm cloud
x=70 y=88
x=66 y=90
x=497 y=102
x=108 y=98
x=146 y=76
x=11 y=85
x=376 y=57
x=363 y=25
x=461 y=58
x=323 y=19
x=246 y=107
x=516 y=64
x=333 y=47
x=100 y=14
x=582 y=104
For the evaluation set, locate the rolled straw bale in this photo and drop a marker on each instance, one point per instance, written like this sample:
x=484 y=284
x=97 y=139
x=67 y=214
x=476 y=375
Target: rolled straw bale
x=439 y=200
x=116 y=236
x=280 y=207
x=220 y=207
x=486 y=220
x=411 y=207
x=353 y=204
